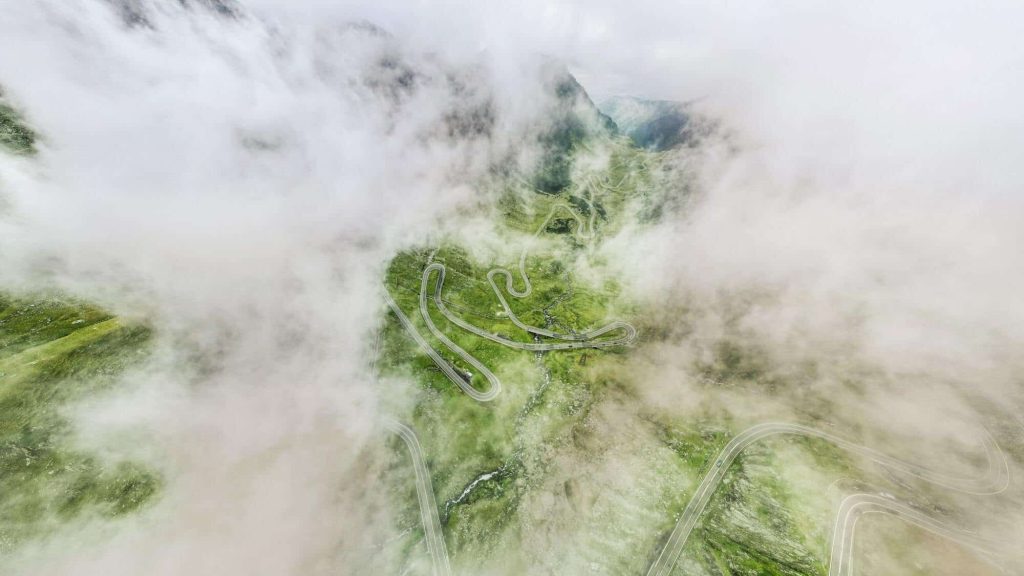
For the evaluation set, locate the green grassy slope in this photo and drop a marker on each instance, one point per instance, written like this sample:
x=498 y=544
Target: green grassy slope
x=53 y=353
x=15 y=135
x=562 y=473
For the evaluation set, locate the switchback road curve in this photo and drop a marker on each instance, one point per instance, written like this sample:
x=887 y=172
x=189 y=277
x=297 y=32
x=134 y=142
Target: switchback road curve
x=855 y=506
x=567 y=341
x=996 y=479
x=452 y=374
x=583 y=340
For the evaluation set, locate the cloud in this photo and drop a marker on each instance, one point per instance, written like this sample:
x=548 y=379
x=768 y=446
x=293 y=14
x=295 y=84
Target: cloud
x=872 y=169
x=854 y=227
x=240 y=182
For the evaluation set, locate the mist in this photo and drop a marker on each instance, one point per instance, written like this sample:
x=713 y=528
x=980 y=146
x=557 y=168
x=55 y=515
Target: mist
x=239 y=176
x=237 y=183
x=867 y=186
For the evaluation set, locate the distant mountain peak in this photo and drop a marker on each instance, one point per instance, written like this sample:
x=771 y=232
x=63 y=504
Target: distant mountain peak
x=652 y=124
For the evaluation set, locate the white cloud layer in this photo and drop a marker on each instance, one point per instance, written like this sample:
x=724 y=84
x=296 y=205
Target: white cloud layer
x=238 y=183
x=241 y=182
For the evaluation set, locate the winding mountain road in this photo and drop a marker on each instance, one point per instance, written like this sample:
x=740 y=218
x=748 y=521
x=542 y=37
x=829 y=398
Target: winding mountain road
x=568 y=341
x=509 y=281
x=855 y=506
x=452 y=374
x=425 y=493
x=996 y=479
x=576 y=341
